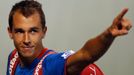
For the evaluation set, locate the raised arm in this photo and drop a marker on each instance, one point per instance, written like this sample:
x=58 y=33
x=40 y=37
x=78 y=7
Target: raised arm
x=96 y=47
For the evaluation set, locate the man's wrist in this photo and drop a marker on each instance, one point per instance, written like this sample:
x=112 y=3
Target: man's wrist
x=107 y=36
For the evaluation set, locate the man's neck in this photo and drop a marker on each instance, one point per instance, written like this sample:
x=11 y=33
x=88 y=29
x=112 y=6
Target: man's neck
x=26 y=61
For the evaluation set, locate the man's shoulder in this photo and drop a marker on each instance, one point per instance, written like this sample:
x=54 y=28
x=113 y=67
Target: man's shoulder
x=12 y=53
x=63 y=55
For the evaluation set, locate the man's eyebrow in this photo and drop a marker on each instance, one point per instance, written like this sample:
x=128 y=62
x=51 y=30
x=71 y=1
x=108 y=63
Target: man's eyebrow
x=34 y=28
x=18 y=29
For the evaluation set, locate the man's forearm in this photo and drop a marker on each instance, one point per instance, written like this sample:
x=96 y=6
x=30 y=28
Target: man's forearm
x=97 y=46
x=90 y=52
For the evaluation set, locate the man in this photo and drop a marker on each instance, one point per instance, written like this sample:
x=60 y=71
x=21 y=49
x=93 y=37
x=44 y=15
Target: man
x=27 y=29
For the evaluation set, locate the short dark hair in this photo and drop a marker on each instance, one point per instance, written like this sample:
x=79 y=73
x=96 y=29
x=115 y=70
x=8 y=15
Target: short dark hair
x=27 y=8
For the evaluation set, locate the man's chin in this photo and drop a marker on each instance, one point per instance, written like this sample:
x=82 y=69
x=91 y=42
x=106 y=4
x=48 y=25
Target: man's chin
x=26 y=54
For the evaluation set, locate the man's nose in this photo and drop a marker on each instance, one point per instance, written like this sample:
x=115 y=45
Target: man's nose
x=26 y=39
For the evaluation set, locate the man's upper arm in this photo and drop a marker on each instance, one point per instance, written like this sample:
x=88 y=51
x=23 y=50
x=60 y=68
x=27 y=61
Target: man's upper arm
x=77 y=61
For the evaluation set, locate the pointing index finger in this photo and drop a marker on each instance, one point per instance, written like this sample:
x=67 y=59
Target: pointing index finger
x=124 y=11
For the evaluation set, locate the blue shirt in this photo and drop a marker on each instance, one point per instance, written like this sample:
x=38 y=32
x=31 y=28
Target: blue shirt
x=53 y=64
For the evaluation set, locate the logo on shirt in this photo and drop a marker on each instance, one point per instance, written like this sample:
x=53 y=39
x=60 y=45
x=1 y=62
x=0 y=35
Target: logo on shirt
x=67 y=54
x=93 y=69
x=12 y=63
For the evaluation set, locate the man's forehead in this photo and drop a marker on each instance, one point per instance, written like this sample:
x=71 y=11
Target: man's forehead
x=20 y=20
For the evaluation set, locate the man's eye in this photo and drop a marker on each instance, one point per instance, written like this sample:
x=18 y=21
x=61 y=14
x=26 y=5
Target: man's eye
x=19 y=32
x=33 y=31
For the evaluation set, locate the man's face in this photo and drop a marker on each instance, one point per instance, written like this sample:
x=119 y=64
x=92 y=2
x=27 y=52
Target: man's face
x=27 y=34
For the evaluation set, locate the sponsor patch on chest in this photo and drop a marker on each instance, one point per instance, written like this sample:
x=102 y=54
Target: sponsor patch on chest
x=67 y=54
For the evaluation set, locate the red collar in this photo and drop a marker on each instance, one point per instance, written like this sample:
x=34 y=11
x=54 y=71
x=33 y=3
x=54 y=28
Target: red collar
x=42 y=52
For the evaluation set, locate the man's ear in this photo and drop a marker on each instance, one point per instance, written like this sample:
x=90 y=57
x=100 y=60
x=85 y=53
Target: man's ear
x=44 y=31
x=10 y=32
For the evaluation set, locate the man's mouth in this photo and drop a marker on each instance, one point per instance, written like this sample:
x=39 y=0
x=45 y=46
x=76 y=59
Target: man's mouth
x=28 y=47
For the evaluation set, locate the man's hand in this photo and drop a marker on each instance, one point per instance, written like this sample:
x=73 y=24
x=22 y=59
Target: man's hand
x=120 y=25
